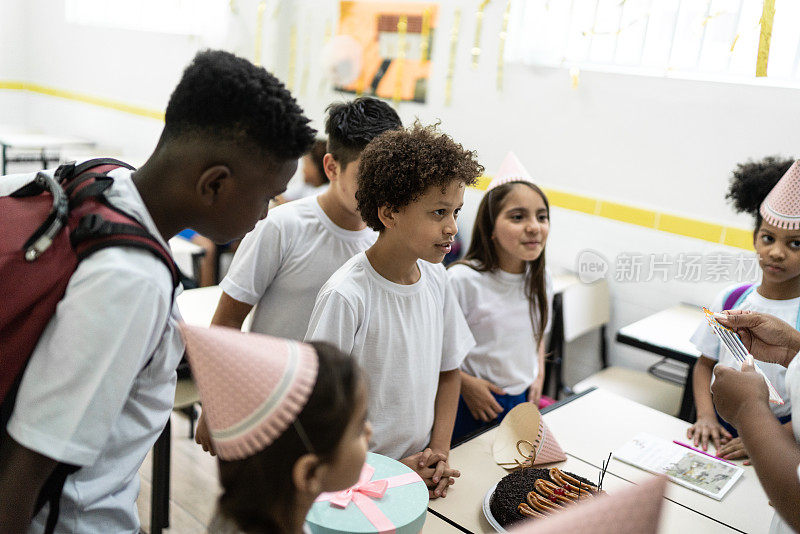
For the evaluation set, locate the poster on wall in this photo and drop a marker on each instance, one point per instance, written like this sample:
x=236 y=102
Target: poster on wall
x=394 y=41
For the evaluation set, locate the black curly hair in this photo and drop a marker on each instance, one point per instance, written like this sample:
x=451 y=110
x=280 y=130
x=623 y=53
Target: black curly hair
x=398 y=166
x=227 y=98
x=752 y=181
x=351 y=125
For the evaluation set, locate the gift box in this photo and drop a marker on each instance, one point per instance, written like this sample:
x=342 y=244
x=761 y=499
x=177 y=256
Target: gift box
x=389 y=497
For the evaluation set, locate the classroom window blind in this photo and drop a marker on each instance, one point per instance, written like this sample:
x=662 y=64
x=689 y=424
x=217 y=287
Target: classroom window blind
x=714 y=39
x=182 y=17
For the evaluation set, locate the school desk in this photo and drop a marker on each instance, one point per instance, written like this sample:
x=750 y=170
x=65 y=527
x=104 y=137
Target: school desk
x=36 y=148
x=187 y=256
x=588 y=427
x=436 y=525
x=667 y=334
x=197 y=306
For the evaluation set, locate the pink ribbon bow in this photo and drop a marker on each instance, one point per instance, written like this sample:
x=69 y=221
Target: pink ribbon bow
x=374 y=488
x=364 y=491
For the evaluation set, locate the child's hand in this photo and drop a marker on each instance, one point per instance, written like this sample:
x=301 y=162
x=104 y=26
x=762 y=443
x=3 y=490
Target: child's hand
x=434 y=470
x=737 y=393
x=733 y=450
x=708 y=428
x=477 y=394
x=535 y=391
x=202 y=435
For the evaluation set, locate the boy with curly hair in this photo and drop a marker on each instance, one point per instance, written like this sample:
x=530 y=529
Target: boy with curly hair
x=100 y=384
x=281 y=265
x=391 y=307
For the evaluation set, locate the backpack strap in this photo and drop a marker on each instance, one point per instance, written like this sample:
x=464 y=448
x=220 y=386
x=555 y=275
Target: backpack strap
x=737 y=295
x=66 y=172
x=96 y=233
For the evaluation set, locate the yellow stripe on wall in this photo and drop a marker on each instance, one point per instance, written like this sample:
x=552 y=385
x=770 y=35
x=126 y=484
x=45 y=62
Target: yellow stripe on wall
x=655 y=220
x=728 y=235
x=81 y=97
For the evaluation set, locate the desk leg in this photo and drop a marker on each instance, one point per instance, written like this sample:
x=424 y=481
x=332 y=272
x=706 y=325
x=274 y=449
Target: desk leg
x=159 y=502
x=5 y=160
x=554 y=366
x=687 y=401
x=603 y=348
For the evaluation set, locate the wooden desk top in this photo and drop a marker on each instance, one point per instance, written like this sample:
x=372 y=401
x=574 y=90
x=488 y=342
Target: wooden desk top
x=436 y=525
x=669 y=329
x=479 y=473
x=38 y=141
x=600 y=422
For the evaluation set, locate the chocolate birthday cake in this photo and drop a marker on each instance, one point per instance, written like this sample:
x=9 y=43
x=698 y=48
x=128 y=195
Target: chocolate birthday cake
x=537 y=493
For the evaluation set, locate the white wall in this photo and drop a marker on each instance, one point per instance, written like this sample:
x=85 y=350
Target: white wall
x=661 y=143
x=13 y=60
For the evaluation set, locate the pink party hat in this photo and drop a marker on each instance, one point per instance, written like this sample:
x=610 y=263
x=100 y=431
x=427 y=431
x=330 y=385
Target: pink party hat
x=252 y=386
x=633 y=510
x=510 y=171
x=549 y=450
x=781 y=208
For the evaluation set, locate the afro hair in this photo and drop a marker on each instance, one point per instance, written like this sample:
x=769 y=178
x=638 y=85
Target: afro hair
x=227 y=98
x=398 y=166
x=751 y=182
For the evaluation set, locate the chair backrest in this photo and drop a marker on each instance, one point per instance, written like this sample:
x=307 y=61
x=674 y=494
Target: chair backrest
x=586 y=306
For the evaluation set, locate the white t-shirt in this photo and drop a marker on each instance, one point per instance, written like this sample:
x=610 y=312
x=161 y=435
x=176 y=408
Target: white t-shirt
x=779 y=526
x=709 y=345
x=303 y=190
x=402 y=336
x=498 y=313
x=88 y=396
x=280 y=265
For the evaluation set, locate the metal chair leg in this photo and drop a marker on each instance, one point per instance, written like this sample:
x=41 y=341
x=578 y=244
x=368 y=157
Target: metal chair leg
x=159 y=502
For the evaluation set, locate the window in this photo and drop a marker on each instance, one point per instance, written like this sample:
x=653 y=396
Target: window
x=690 y=38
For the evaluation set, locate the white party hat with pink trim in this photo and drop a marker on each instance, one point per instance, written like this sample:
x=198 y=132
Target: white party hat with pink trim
x=252 y=386
x=781 y=208
x=511 y=170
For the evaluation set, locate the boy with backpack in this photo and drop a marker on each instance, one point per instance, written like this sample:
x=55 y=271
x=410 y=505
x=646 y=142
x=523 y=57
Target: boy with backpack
x=99 y=384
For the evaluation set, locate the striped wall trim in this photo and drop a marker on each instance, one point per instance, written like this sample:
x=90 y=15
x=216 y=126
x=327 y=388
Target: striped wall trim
x=75 y=96
x=655 y=220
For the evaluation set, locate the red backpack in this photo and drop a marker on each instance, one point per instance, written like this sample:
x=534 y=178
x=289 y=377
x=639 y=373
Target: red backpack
x=48 y=227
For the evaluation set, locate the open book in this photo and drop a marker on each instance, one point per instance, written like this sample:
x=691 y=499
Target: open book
x=694 y=470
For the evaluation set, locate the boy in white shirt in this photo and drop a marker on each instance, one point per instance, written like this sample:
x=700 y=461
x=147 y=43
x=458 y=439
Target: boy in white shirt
x=100 y=384
x=391 y=307
x=281 y=265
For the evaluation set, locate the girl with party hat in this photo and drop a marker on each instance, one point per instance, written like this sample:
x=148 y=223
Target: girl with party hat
x=506 y=294
x=769 y=190
x=287 y=420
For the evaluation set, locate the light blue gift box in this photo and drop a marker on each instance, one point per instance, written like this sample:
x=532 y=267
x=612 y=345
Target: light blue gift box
x=405 y=506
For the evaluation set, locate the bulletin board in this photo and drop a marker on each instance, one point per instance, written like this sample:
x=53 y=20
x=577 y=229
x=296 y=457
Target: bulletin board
x=396 y=38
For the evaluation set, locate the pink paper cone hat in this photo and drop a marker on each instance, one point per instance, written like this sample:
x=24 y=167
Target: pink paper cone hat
x=511 y=170
x=781 y=208
x=633 y=510
x=523 y=439
x=252 y=386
